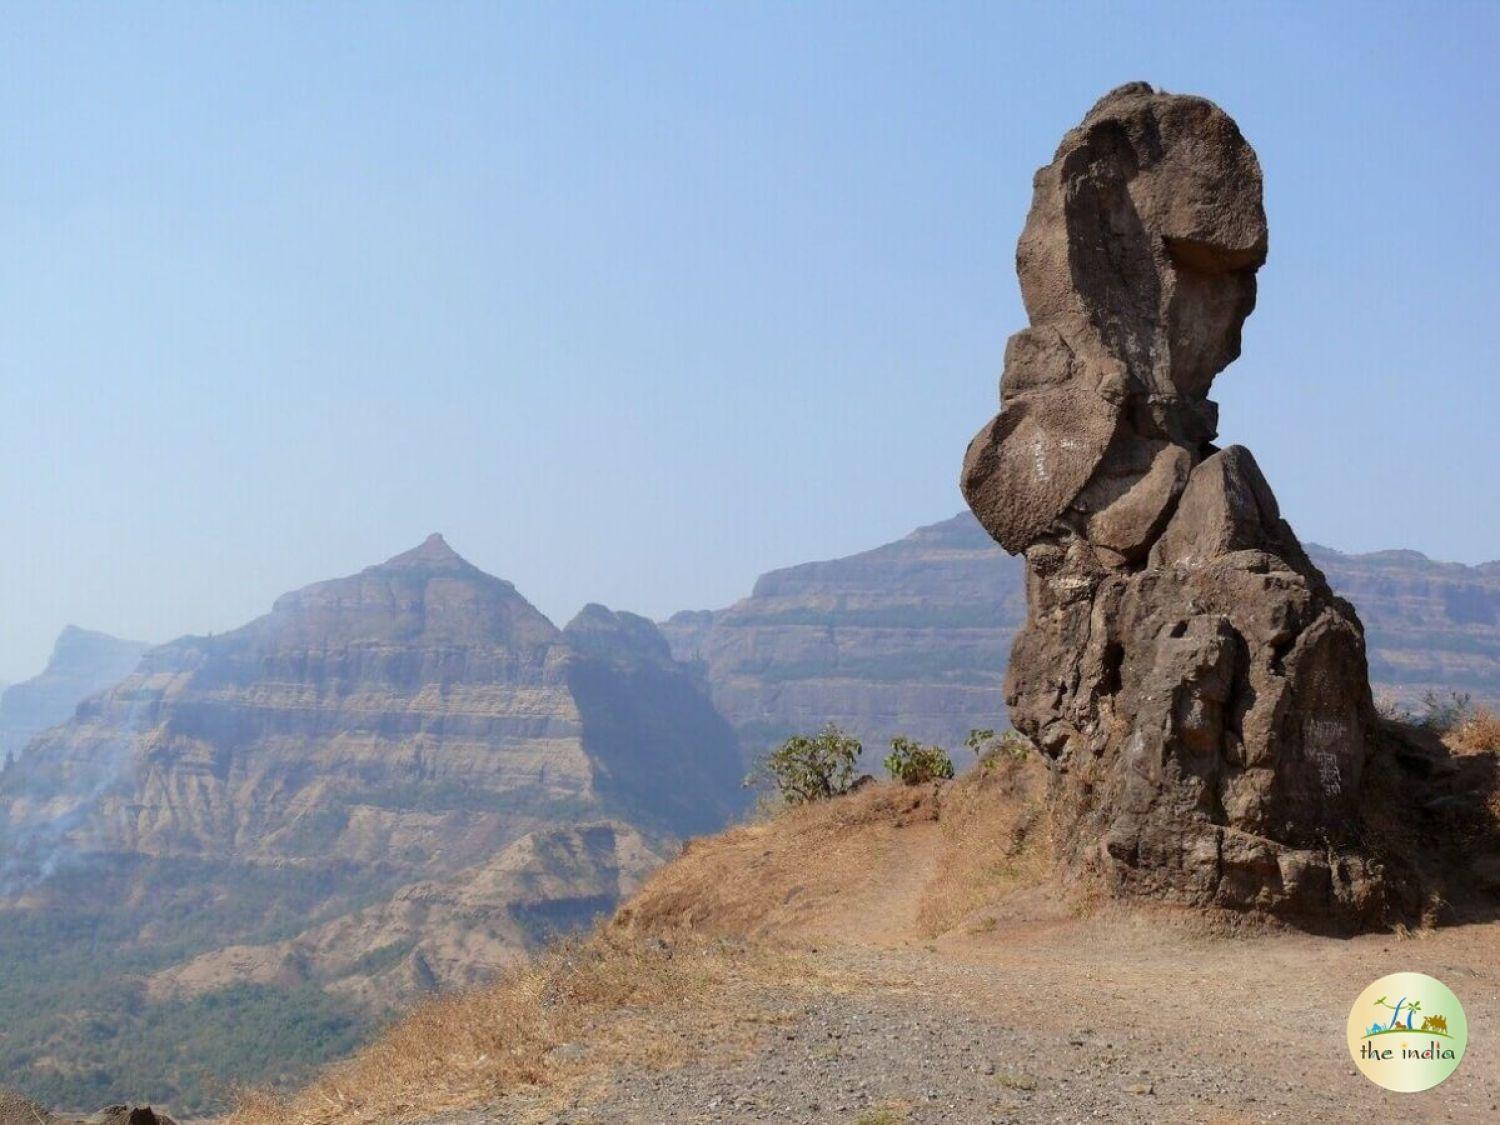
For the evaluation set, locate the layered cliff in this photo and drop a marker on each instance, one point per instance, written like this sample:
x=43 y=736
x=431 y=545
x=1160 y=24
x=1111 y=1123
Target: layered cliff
x=421 y=714
x=912 y=637
x=907 y=638
x=83 y=662
x=1429 y=626
x=658 y=745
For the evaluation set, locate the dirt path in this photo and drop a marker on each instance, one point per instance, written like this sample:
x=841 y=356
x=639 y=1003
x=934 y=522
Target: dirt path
x=883 y=912
x=1038 y=1003
x=1052 y=1019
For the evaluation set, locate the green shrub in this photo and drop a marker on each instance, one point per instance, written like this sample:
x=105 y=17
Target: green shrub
x=991 y=749
x=978 y=739
x=911 y=763
x=812 y=767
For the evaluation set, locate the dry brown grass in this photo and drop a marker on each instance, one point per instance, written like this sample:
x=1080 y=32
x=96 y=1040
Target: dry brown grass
x=997 y=838
x=791 y=875
x=644 y=1002
x=889 y=862
x=1478 y=733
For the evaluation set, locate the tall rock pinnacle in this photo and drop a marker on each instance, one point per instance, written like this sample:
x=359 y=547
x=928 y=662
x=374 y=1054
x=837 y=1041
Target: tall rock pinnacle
x=1201 y=693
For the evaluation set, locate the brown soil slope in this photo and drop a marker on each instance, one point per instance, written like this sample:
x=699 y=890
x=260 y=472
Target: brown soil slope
x=888 y=864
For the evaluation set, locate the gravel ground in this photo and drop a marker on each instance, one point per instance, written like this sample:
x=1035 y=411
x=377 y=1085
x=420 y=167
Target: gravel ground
x=865 y=1059
x=1122 y=1027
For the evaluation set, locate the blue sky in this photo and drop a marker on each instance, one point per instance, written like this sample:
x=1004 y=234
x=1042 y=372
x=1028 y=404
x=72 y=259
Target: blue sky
x=634 y=302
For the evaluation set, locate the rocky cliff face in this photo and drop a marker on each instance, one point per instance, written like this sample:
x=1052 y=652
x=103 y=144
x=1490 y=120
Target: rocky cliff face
x=441 y=933
x=658 y=745
x=392 y=781
x=385 y=714
x=1429 y=626
x=82 y=663
x=909 y=638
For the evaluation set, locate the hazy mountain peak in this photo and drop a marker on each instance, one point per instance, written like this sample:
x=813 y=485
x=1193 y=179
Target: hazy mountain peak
x=83 y=662
x=77 y=642
x=429 y=592
x=601 y=631
x=432 y=553
x=962 y=531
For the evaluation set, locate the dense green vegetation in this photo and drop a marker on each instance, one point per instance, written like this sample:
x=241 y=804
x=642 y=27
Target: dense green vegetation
x=187 y=1054
x=76 y=1030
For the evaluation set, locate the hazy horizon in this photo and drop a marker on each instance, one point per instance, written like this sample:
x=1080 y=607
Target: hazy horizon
x=633 y=306
x=560 y=619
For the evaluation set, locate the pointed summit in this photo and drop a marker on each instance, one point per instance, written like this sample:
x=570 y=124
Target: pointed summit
x=429 y=594
x=432 y=554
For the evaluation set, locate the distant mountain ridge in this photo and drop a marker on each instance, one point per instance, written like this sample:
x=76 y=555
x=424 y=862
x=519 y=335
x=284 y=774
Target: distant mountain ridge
x=421 y=679
x=1430 y=626
x=912 y=637
x=83 y=662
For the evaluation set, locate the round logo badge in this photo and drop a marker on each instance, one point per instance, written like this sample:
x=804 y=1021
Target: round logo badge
x=1407 y=1032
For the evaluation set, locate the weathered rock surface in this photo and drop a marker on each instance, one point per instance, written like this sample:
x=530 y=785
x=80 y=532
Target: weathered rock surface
x=83 y=663
x=1201 y=692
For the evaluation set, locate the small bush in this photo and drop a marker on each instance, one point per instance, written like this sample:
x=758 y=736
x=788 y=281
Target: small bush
x=812 y=768
x=992 y=750
x=911 y=763
x=1443 y=713
x=978 y=739
x=1392 y=707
